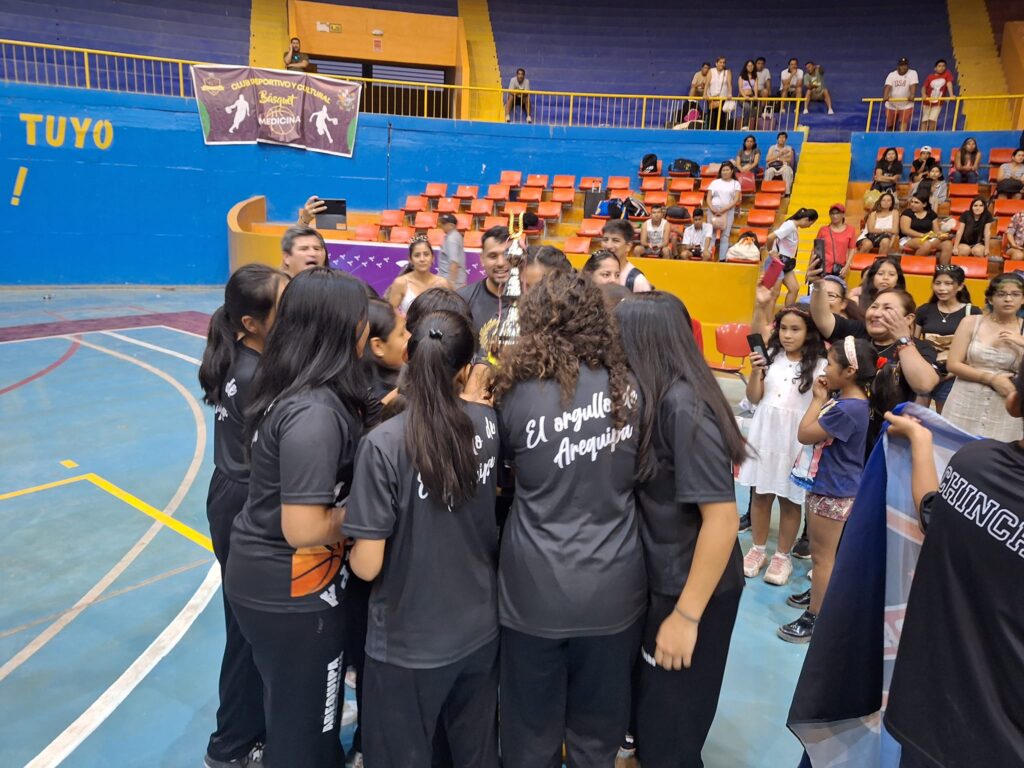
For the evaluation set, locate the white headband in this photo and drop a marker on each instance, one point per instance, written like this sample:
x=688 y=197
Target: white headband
x=850 y=348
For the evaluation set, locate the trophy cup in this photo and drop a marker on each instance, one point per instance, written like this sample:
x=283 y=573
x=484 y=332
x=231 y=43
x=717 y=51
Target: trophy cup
x=508 y=325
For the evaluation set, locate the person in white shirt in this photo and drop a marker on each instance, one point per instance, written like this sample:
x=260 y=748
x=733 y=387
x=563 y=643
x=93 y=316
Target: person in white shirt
x=718 y=91
x=722 y=200
x=656 y=236
x=764 y=77
x=899 y=92
x=791 y=81
x=779 y=161
x=518 y=88
x=784 y=242
x=697 y=239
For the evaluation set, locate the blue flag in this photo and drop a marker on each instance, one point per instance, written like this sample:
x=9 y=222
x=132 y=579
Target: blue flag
x=841 y=693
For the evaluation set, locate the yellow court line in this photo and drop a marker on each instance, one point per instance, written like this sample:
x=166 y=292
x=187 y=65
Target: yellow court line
x=122 y=495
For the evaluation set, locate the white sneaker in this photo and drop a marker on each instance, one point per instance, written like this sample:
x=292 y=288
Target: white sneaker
x=779 y=570
x=831 y=112
x=508 y=119
x=754 y=561
x=529 y=119
x=805 y=112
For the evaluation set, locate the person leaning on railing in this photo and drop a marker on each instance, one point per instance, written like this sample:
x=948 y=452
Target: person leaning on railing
x=518 y=88
x=899 y=92
x=937 y=85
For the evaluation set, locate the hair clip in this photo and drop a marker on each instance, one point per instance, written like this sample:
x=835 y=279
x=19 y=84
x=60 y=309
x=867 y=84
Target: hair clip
x=434 y=333
x=881 y=363
x=419 y=239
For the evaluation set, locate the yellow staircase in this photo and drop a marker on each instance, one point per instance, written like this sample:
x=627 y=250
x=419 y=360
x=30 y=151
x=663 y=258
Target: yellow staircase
x=483 y=61
x=268 y=33
x=820 y=182
x=979 y=68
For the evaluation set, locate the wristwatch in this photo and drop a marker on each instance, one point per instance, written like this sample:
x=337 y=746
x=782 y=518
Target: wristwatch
x=902 y=341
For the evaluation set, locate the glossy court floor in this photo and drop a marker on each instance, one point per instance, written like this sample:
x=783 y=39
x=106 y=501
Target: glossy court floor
x=111 y=625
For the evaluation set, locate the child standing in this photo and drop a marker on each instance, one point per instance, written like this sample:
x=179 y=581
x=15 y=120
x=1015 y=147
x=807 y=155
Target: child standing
x=785 y=241
x=780 y=385
x=838 y=429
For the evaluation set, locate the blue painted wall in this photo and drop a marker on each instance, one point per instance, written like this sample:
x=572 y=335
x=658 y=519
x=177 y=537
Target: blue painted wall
x=151 y=207
x=865 y=146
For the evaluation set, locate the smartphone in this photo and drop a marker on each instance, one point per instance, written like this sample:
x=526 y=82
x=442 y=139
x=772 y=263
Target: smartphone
x=815 y=263
x=772 y=272
x=756 y=343
x=334 y=215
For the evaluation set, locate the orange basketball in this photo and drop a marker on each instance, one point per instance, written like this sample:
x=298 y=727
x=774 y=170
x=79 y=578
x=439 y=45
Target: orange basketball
x=313 y=568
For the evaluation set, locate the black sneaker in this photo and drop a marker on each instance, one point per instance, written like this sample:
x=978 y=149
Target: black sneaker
x=802 y=548
x=745 y=522
x=241 y=762
x=798 y=631
x=803 y=600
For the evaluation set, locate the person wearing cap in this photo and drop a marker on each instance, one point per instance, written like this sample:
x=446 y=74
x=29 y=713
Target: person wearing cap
x=840 y=241
x=899 y=92
x=924 y=163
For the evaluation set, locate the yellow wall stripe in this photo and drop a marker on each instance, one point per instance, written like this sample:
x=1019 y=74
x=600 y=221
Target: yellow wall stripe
x=268 y=33
x=979 y=68
x=483 y=61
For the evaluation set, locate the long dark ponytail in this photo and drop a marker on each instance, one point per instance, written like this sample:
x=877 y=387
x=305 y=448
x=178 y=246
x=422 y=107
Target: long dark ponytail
x=439 y=434
x=658 y=339
x=251 y=290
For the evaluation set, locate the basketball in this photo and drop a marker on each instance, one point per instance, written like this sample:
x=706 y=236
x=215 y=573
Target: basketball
x=313 y=568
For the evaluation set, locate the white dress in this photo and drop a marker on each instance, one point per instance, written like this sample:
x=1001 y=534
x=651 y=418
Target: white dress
x=773 y=429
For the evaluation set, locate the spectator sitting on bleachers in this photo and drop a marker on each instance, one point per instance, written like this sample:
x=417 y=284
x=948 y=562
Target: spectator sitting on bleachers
x=840 y=241
x=295 y=59
x=518 y=88
x=656 y=236
x=901 y=88
x=746 y=87
x=764 y=78
x=974 y=230
x=965 y=163
x=722 y=199
x=888 y=171
x=780 y=161
x=932 y=187
x=791 y=81
x=945 y=224
x=749 y=156
x=814 y=86
x=937 y=85
x=1015 y=238
x=697 y=239
x=1010 y=181
x=881 y=227
x=699 y=82
x=618 y=238
x=924 y=163
x=916 y=227
x=719 y=87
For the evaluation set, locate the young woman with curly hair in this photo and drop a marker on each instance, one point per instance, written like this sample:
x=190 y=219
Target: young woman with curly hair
x=571 y=581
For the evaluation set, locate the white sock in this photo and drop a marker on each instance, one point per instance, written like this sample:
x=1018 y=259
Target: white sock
x=759 y=547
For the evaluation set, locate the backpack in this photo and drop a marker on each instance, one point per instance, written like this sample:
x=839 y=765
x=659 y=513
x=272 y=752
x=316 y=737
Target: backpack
x=677 y=212
x=632 y=207
x=649 y=164
x=604 y=209
x=689 y=167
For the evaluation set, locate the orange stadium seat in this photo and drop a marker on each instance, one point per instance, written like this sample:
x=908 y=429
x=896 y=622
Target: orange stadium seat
x=448 y=205
x=391 y=218
x=767 y=200
x=531 y=194
x=577 y=245
x=400 y=235
x=1013 y=266
x=367 y=232
x=705 y=183
x=563 y=195
x=958 y=205
x=511 y=178
x=679 y=184
x=514 y=208
x=1008 y=207
x=549 y=210
x=618 y=182
x=918 y=265
x=463 y=221
x=563 y=180
x=494 y=221
x=415 y=204
x=497 y=192
x=973 y=266
x=435 y=237
x=652 y=184
x=537 y=180
x=473 y=239
x=435 y=189
x=761 y=217
x=425 y=220
x=1000 y=156
x=963 y=190
x=774 y=186
x=481 y=207
x=590 y=228
x=467 y=191
x=656 y=198
x=731 y=341
x=691 y=199
x=588 y=183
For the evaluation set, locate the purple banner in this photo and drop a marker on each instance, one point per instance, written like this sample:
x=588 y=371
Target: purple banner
x=244 y=105
x=380 y=263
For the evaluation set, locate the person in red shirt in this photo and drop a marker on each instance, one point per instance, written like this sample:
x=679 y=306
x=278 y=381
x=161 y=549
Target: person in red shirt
x=939 y=84
x=840 y=241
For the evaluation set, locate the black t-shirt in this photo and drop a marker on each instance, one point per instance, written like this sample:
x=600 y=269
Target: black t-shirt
x=382 y=381
x=956 y=696
x=229 y=416
x=974 y=229
x=920 y=165
x=895 y=168
x=571 y=560
x=693 y=468
x=483 y=305
x=921 y=225
x=435 y=600
x=302 y=453
x=930 y=319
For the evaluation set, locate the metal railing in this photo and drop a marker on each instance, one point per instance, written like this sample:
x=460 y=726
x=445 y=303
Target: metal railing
x=956 y=113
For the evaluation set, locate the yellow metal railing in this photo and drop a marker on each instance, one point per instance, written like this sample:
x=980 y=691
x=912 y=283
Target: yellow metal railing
x=958 y=113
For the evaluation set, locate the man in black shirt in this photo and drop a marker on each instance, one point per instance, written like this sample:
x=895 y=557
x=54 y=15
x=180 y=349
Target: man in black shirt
x=955 y=697
x=295 y=59
x=483 y=296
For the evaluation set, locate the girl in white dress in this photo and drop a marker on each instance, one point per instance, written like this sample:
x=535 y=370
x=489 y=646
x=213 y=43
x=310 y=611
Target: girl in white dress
x=780 y=385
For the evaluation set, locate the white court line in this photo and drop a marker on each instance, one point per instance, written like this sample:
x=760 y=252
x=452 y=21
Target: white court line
x=68 y=741
x=71 y=333
x=154 y=347
x=179 y=330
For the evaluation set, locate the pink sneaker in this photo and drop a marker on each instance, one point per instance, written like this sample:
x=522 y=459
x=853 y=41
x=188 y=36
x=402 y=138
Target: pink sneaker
x=754 y=561
x=779 y=570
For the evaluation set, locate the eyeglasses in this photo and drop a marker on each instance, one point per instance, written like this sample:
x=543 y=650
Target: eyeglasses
x=1003 y=295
